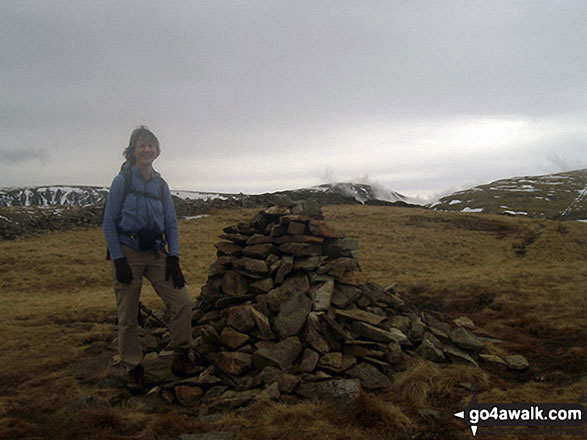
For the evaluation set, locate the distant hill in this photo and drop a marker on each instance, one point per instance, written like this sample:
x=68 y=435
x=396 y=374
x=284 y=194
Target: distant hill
x=56 y=195
x=84 y=196
x=546 y=196
x=59 y=207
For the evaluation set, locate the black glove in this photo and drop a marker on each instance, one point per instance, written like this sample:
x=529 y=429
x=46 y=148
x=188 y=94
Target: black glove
x=172 y=269
x=123 y=270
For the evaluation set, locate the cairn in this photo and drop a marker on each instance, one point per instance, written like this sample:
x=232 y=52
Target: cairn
x=286 y=310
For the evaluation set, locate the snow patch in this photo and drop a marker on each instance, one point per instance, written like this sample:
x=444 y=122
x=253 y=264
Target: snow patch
x=467 y=209
x=196 y=195
x=515 y=212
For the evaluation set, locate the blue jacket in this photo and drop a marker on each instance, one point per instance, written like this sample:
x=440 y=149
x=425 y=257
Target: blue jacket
x=137 y=212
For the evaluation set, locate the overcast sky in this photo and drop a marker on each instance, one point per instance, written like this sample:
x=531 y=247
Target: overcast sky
x=421 y=97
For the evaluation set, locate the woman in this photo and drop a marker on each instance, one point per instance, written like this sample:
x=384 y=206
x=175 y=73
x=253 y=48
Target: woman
x=139 y=214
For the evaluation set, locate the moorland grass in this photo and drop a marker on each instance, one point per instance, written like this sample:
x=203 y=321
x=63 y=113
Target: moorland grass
x=523 y=281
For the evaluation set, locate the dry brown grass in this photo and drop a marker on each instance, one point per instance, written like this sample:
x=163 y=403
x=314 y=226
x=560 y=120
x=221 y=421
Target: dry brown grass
x=520 y=280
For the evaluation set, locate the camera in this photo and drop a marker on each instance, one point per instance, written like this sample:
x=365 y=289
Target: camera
x=148 y=239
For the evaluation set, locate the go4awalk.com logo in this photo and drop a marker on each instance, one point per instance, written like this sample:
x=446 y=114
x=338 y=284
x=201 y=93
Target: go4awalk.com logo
x=548 y=416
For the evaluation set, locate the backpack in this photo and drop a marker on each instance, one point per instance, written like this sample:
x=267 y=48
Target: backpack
x=126 y=172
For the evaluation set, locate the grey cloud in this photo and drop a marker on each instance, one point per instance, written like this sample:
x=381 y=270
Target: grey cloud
x=275 y=60
x=560 y=163
x=216 y=78
x=14 y=156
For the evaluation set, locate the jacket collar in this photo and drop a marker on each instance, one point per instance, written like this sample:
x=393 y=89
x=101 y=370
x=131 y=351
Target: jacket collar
x=136 y=172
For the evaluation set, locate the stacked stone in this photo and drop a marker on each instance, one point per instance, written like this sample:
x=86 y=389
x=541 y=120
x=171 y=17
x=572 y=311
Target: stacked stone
x=287 y=310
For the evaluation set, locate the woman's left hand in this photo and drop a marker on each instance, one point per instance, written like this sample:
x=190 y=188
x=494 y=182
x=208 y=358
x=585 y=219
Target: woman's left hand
x=172 y=269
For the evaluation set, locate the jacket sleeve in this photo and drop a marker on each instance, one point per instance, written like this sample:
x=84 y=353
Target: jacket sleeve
x=111 y=215
x=171 y=230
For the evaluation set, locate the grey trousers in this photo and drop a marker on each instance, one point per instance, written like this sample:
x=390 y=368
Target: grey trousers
x=178 y=302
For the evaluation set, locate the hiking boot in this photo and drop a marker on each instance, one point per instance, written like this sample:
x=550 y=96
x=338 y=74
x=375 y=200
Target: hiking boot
x=184 y=365
x=136 y=380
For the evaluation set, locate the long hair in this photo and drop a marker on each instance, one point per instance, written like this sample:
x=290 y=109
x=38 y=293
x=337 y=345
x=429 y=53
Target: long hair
x=142 y=131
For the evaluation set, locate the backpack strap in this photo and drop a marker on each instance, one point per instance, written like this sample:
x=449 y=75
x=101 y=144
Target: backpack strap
x=127 y=173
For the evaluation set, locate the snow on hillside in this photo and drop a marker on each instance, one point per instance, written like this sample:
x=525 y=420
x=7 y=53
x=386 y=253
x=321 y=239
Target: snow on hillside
x=363 y=192
x=61 y=195
x=48 y=196
x=197 y=195
x=548 y=196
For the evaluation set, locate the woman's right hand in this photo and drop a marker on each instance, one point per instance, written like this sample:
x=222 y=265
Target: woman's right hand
x=123 y=270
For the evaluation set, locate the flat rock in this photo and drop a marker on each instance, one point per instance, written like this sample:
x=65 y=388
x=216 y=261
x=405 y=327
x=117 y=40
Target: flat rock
x=229 y=249
x=331 y=361
x=234 y=363
x=277 y=210
x=232 y=400
x=312 y=333
x=339 y=247
x=321 y=295
x=240 y=318
x=258 y=250
x=301 y=249
x=262 y=286
x=287 y=382
x=285 y=268
x=429 y=351
x=493 y=359
x=271 y=392
x=205 y=379
x=235 y=237
x=187 y=395
x=309 y=360
x=307 y=264
x=323 y=229
x=465 y=339
x=259 y=239
x=331 y=326
x=232 y=338
x=371 y=378
x=352 y=278
x=281 y=354
x=234 y=283
x=393 y=353
x=360 y=315
x=455 y=354
x=344 y=295
x=216 y=269
x=262 y=323
x=377 y=334
x=252 y=265
x=297 y=282
x=309 y=208
x=377 y=294
x=297 y=239
x=465 y=322
x=292 y=315
x=342 y=393
x=516 y=362
x=296 y=228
